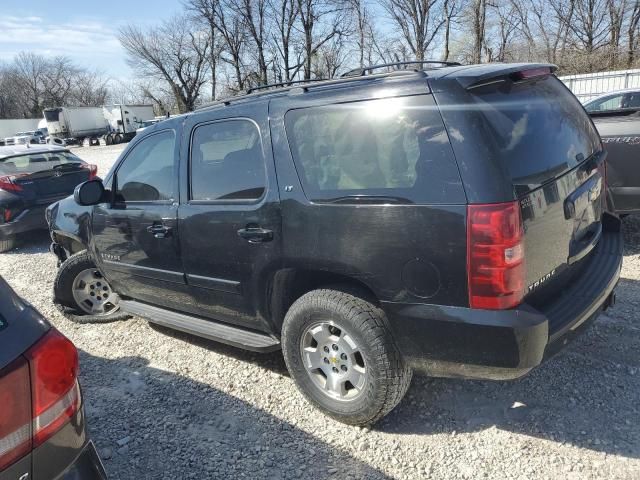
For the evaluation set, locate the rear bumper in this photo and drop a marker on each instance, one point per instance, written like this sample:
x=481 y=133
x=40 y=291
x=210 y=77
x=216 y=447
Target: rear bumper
x=501 y=345
x=31 y=219
x=87 y=466
x=626 y=199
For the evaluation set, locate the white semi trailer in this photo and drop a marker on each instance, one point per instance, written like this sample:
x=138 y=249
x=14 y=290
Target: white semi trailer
x=75 y=124
x=9 y=127
x=124 y=120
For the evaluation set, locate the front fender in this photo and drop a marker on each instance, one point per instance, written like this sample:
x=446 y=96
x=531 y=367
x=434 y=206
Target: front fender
x=69 y=224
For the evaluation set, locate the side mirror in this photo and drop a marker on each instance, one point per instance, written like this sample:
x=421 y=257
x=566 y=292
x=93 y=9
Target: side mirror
x=89 y=193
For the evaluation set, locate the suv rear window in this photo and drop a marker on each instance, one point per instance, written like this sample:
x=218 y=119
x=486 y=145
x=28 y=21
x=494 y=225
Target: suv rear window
x=538 y=129
x=392 y=147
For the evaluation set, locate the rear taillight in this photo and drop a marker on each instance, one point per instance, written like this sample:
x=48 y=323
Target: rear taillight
x=93 y=170
x=7 y=183
x=495 y=255
x=54 y=374
x=15 y=413
x=37 y=396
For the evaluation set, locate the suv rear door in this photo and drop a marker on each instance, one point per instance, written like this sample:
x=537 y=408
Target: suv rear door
x=229 y=217
x=523 y=136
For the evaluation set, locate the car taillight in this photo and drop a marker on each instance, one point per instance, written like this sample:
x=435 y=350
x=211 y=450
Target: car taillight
x=38 y=396
x=495 y=255
x=15 y=413
x=7 y=183
x=93 y=170
x=54 y=385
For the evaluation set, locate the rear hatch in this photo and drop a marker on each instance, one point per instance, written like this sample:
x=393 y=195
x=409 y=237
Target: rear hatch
x=543 y=145
x=45 y=176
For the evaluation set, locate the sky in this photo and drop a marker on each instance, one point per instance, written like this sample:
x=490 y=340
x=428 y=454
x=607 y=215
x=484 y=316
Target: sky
x=84 y=30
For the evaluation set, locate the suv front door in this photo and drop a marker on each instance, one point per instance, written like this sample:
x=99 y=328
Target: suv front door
x=229 y=217
x=135 y=236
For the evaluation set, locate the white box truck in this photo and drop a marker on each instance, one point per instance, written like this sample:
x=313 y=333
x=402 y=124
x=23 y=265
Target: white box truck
x=124 y=120
x=75 y=124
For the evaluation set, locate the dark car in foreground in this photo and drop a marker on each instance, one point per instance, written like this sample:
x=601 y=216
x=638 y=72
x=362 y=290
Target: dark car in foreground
x=31 y=178
x=617 y=118
x=446 y=220
x=42 y=423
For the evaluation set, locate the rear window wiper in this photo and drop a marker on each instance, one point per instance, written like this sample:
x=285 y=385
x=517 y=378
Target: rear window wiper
x=374 y=199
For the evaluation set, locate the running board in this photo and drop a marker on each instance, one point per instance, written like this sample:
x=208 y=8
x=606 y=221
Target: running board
x=219 y=332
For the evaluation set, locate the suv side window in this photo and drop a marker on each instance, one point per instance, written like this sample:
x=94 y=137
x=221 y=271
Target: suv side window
x=147 y=174
x=227 y=162
x=388 y=147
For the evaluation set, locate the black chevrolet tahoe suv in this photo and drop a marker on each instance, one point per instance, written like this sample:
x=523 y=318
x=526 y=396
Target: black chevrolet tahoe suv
x=445 y=220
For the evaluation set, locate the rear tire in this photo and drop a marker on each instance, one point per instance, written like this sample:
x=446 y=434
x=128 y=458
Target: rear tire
x=66 y=282
x=117 y=138
x=7 y=244
x=108 y=140
x=341 y=354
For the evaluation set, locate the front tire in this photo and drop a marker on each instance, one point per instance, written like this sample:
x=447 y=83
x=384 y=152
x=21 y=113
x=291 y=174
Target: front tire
x=83 y=294
x=342 y=356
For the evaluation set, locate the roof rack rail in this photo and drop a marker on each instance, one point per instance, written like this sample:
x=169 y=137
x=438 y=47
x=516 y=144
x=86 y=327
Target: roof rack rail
x=360 y=72
x=282 y=84
x=294 y=87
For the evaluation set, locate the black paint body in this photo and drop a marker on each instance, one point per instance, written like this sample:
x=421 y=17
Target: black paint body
x=411 y=258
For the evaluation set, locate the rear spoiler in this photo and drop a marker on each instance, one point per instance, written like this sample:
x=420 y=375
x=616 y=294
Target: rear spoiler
x=497 y=73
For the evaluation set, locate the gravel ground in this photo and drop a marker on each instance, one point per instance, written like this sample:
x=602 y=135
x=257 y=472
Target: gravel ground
x=162 y=405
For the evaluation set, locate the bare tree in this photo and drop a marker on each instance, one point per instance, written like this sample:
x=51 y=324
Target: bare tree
x=89 y=89
x=29 y=74
x=479 y=18
x=320 y=22
x=451 y=10
x=204 y=12
x=60 y=77
x=588 y=24
x=173 y=52
x=231 y=27
x=285 y=16
x=253 y=15
x=506 y=23
x=632 y=31
x=544 y=24
x=418 y=20
x=363 y=27
x=331 y=57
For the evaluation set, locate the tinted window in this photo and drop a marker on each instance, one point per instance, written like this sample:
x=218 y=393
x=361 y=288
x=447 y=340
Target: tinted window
x=227 y=162
x=604 y=104
x=148 y=172
x=395 y=147
x=36 y=162
x=538 y=130
x=632 y=100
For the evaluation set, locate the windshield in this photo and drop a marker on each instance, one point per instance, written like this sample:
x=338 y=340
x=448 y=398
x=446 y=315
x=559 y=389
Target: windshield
x=36 y=162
